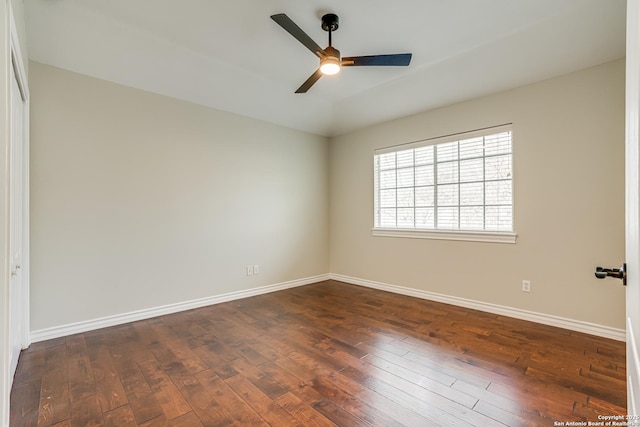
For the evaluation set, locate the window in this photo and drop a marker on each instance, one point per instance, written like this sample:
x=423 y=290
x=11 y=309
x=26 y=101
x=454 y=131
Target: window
x=458 y=187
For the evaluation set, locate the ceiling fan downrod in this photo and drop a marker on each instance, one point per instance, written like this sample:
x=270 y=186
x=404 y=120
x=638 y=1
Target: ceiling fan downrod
x=330 y=23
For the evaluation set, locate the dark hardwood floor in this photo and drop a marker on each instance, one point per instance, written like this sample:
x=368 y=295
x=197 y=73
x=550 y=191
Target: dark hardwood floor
x=321 y=355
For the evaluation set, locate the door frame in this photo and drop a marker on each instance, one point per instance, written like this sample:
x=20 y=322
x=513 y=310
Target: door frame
x=16 y=62
x=632 y=201
x=12 y=57
x=22 y=79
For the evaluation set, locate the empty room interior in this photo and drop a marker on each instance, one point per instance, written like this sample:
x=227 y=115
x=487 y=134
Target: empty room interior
x=204 y=227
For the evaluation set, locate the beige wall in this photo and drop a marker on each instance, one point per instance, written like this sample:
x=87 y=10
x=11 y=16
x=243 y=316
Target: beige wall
x=139 y=201
x=568 y=136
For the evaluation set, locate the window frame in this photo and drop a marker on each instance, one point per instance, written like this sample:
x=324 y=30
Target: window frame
x=445 y=234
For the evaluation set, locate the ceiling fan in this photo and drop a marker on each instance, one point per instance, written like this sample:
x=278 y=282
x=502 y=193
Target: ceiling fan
x=330 y=61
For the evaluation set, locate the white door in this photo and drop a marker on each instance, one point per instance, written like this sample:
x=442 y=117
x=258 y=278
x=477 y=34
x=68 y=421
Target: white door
x=632 y=194
x=16 y=230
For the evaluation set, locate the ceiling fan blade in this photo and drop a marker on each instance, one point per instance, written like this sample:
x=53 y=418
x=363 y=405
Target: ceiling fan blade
x=310 y=82
x=399 y=59
x=285 y=22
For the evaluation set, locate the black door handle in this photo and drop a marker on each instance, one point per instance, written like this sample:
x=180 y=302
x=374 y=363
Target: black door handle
x=618 y=273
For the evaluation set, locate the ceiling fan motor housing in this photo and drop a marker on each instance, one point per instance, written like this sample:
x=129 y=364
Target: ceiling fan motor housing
x=332 y=52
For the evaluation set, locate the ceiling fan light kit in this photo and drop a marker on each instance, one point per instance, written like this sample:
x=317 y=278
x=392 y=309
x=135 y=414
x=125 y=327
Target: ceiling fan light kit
x=330 y=61
x=330 y=64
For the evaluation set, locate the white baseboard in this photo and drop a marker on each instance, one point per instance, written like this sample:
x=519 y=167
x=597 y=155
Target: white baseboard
x=119 y=319
x=545 y=319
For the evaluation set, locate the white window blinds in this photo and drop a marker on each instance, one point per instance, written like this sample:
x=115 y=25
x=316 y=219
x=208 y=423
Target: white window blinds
x=454 y=183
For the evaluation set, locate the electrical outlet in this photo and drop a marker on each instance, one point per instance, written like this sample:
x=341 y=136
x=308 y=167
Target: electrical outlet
x=256 y=269
x=249 y=270
x=526 y=286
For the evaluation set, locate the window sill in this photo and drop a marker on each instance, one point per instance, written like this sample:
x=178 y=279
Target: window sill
x=468 y=236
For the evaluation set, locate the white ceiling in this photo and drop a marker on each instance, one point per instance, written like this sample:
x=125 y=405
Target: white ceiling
x=231 y=56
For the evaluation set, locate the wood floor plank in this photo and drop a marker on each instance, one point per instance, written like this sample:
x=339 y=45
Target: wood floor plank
x=24 y=411
x=503 y=403
x=82 y=382
x=418 y=369
x=166 y=393
x=31 y=364
x=139 y=395
x=204 y=404
x=177 y=359
x=55 y=403
x=308 y=416
x=272 y=413
x=338 y=415
x=219 y=357
x=453 y=367
x=292 y=375
x=360 y=393
x=86 y=413
x=109 y=389
x=327 y=354
x=254 y=356
x=426 y=409
x=120 y=417
x=187 y=420
x=507 y=418
x=461 y=407
x=374 y=415
x=272 y=388
x=454 y=394
x=238 y=409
